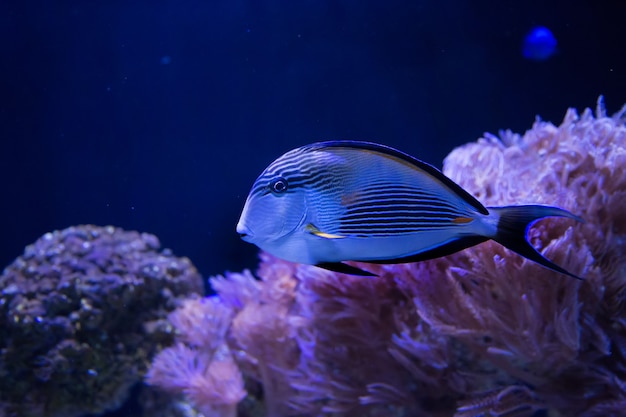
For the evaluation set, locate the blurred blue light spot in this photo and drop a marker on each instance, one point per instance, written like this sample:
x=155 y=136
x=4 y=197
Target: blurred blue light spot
x=539 y=44
x=166 y=59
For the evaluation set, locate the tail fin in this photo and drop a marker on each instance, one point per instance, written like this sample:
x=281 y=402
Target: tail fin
x=512 y=227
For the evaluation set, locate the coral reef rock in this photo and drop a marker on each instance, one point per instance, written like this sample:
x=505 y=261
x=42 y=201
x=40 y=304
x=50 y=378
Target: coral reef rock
x=82 y=312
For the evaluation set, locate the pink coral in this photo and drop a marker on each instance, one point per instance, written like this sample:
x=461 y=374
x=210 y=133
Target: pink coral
x=481 y=332
x=200 y=365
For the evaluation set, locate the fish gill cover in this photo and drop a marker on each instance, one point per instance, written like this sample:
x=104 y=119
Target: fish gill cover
x=480 y=332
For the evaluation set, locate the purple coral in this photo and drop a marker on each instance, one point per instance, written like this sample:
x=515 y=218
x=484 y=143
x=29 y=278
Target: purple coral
x=481 y=332
x=200 y=365
x=81 y=312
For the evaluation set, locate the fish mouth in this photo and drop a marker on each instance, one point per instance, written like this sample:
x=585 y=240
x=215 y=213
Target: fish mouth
x=244 y=233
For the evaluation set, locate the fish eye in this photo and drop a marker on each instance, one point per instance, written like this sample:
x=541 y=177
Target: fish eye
x=279 y=185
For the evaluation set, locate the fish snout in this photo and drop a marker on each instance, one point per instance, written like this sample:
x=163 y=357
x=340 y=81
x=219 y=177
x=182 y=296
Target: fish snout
x=244 y=232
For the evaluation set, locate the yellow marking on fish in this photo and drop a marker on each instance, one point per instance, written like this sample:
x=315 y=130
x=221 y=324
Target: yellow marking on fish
x=317 y=232
x=462 y=220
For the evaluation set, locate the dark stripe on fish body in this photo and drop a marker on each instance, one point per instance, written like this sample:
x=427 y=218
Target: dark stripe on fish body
x=292 y=182
x=298 y=167
x=409 y=220
x=412 y=191
x=422 y=221
x=406 y=217
x=416 y=163
x=318 y=179
x=407 y=226
x=391 y=194
x=400 y=202
x=306 y=183
x=422 y=216
x=284 y=169
x=384 y=232
x=393 y=229
x=392 y=187
x=404 y=206
x=391 y=210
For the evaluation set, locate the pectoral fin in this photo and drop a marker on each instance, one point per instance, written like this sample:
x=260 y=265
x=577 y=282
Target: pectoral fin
x=345 y=269
x=311 y=228
x=336 y=266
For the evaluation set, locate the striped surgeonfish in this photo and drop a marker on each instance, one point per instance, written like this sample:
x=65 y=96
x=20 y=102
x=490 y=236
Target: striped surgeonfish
x=337 y=201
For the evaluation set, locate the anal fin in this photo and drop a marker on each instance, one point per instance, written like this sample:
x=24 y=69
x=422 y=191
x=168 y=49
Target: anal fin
x=345 y=269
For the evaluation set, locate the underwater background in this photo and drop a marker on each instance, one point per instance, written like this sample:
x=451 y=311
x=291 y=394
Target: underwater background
x=157 y=116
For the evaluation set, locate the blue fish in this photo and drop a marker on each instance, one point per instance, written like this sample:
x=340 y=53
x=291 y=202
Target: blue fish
x=539 y=44
x=330 y=202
